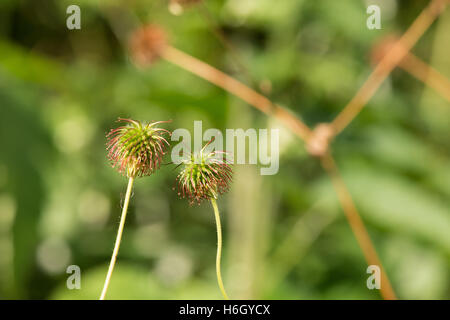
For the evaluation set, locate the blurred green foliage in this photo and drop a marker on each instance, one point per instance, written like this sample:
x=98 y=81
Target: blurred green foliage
x=285 y=236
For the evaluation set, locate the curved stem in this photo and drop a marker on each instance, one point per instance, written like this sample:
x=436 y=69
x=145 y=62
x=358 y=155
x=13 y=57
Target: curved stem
x=118 y=238
x=219 y=249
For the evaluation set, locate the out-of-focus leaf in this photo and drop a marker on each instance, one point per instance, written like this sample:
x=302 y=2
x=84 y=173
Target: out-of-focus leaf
x=30 y=66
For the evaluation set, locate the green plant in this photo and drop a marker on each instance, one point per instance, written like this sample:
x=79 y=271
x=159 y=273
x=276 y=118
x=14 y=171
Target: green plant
x=135 y=150
x=205 y=176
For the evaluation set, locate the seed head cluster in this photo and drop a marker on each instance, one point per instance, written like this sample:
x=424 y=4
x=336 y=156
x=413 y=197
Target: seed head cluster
x=136 y=149
x=205 y=175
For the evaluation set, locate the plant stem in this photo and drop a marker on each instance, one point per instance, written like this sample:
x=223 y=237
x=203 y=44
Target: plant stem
x=118 y=238
x=426 y=74
x=219 y=248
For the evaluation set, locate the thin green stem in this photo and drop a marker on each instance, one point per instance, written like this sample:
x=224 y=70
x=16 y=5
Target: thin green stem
x=118 y=238
x=219 y=248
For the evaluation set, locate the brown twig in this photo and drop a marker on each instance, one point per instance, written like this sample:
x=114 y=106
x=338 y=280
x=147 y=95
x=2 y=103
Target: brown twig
x=387 y=64
x=356 y=224
x=426 y=74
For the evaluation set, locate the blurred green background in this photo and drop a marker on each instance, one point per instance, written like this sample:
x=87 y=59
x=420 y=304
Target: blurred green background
x=285 y=236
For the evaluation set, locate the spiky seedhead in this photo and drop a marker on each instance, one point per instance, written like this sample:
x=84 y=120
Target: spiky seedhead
x=205 y=176
x=136 y=149
x=146 y=44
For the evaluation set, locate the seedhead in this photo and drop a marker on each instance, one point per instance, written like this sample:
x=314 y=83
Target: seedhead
x=205 y=175
x=136 y=149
